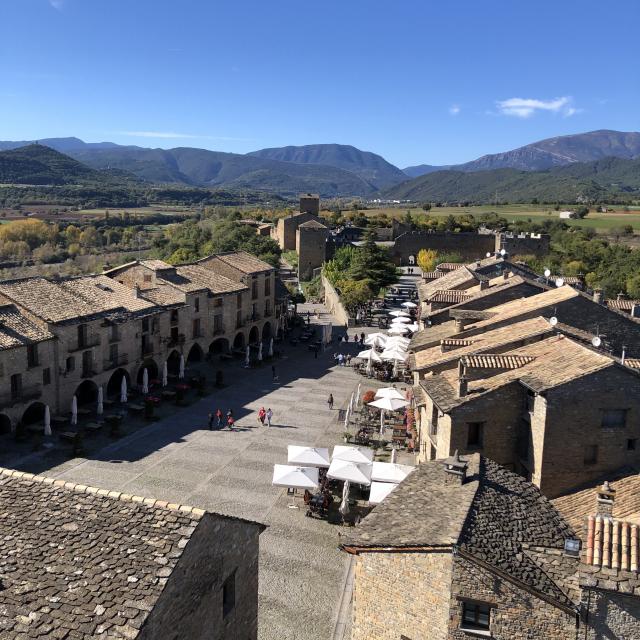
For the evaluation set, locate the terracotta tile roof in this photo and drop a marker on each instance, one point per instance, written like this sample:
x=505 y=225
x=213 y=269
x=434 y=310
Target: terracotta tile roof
x=633 y=363
x=431 y=275
x=191 y=278
x=72 y=558
x=72 y=299
x=453 y=280
x=622 y=304
x=578 y=505
x=245 y=262
x=313 y=224
x=451 y=296
x=16 y=330
x=449 y=266
x=488 y=341
x=491 y=517
x=496 y=361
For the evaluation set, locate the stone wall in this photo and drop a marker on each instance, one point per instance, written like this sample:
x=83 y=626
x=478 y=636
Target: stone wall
x=608 y=614
x=523 y=245
x=311 y=246
x=401 y=594
x=332 y=302
x=469 y=245
x=191 y=604
x=287 y=227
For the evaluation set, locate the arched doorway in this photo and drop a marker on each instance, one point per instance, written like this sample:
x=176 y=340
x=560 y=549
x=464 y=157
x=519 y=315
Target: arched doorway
x=221 y=345
x=412 y=260
x=5 y=424
x=173 y=363
x=115 y=382
x=33 y=414
x=254 y=335
x=152 y=370
x=238 y=341
x=87 y=392
x=195 y=353
x=266 y=331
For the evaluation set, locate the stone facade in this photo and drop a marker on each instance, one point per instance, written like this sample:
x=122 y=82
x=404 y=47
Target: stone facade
x=467 y=244
x=311 y=246
x=310 y=203
x=287 y=227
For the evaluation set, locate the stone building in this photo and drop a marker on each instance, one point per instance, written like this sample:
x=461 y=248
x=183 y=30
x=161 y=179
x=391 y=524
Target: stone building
x=286 y=228
x=465 y=548
x=556 y=411
x=311 y=247
x=310 y=203
x=82 y=562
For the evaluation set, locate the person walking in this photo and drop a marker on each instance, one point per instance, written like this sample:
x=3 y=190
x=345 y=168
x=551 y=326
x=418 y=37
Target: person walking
x=269 y=415
x=211 y=421
x=219 y=418
x=274 y=375
x=261 y=416
x=230 y=422
x=330 y=401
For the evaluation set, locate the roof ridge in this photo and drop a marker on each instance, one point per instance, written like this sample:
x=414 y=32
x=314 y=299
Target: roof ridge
x=194 y=512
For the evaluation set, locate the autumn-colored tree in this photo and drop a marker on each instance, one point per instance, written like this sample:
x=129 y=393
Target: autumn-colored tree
x=427 y=259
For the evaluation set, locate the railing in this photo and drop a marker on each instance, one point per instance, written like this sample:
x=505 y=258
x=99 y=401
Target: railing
x=87 y=343
x=25 y=394
x=114 y=363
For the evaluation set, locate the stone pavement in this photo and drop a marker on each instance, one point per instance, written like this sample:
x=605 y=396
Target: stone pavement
x=302 y=574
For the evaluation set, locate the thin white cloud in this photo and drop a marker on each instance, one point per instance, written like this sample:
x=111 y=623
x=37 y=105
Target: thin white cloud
x=172 y=135
x=526 y=107
x=58 y=5
x=454 y=109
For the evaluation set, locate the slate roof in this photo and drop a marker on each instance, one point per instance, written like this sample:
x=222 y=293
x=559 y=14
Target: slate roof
x=16 y=330
x=76 y=561
x=72 y=299
x=491 y=517
x=163 y=294
x=244 y=262
x=156 y=265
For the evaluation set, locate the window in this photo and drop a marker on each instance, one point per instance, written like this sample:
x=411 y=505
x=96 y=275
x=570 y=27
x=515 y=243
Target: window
x=16 y=386
x=32 y=355
x=145 y=325
x=591 y=454
x=614 y=418
x=196 y=304
x=87 y=364
x=267 y=308
x=254 y=289
x=82 y=336
x=631 y=444
x=238 y=319
x=217 y=324
x=174 y=316
x=113 y=354
x=267 y=285
x=474 y=437
x=46 y=376
x=196 y=328
x=475 y=616
x=254 y=311
x=239 y=300
x=146 y=277
x=217 y=302
x=71 y=364
x=229 y=595
x=113 y=333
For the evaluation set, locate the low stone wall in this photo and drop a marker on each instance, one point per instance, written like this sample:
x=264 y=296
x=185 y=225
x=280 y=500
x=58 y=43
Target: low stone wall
x=332 y=302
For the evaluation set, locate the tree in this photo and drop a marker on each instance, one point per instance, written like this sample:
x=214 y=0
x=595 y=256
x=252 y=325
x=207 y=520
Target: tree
x=426 y=206
x=633 y=287
x=427 y=259
x=354 y=293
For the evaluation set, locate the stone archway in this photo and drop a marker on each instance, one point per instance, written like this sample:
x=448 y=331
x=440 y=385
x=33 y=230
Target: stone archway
x=87 y=392
x=152 y=370
x=5 y=424
x=195 y=353
x=266 y=331
x=173 y=363
x=238 y=341
x=33 y=414
x=115 y=382
x=220 y=345
x=254 y=335
x=412 y=260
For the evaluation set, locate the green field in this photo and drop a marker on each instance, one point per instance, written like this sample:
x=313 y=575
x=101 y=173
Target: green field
x=602 y=222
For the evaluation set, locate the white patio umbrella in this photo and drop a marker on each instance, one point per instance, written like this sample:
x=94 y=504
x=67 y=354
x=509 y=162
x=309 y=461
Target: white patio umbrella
x=399 y=314
x=401 y=320
x=388 y=472
x=247 y=356
x=409 y=305
x=413 y=327
x=344 y=505
x=358 y=396
x=350 y=471
x=389 y=392
x=370 y=361
x=100 y=408
x=285 y=475
x=74 y=410
x=397 y=341
x=165 y=374
x=308 y=456
x=260 y=351
x=379 y=491
x=352 y=454
x=123 y=389
x=389 y=404
x=145 y=381
x=347 y=415
x=398 y=329
x=351 y=402
x=376 y=339
x=393 y=455
x=181 y=369
x=370 y=354
x=271 y=348
x=396 y=353
x=47 y=420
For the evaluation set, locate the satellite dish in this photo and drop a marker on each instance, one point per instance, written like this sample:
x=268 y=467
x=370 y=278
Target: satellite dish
x=488 y=254
x=596 y=342
x=547 y=273
x=503 y=252
x=559 y=282
x=553 y=321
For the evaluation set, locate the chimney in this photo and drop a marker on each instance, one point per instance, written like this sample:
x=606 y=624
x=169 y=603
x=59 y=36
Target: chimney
x=484 y=284
x=463 y=386
x=459 y=326
x=455 y=470
x=136 y=290
x=506 y=273
x=620 y=296
x=606 y=498
x=597 y=296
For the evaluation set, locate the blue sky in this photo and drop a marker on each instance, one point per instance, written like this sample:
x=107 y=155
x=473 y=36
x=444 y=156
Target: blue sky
x=417 y=81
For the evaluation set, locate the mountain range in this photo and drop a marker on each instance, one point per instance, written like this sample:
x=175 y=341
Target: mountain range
x=342 y=170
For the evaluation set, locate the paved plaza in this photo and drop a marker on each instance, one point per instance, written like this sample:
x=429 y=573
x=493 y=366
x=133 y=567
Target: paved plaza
x=178 y=459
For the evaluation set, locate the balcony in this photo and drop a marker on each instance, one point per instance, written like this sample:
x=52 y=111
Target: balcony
x=24 y=395
x=114 y=363
x=174 y=341
x=87 y=343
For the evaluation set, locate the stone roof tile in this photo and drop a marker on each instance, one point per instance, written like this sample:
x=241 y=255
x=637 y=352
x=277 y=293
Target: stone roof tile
x=16 y=330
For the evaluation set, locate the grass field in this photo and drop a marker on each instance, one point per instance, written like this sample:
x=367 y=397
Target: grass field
x=602 y=222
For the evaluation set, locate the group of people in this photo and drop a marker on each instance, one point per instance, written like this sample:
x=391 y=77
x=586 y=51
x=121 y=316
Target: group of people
x=357 y=339
x=221 y=419
x=265 y=416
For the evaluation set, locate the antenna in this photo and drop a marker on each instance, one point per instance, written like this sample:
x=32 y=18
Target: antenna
x=596 y=342
x=547 y=273
x=559 y=282
x=553 y=321
x=488 y=254
x=503 y=252
x=623 y=353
